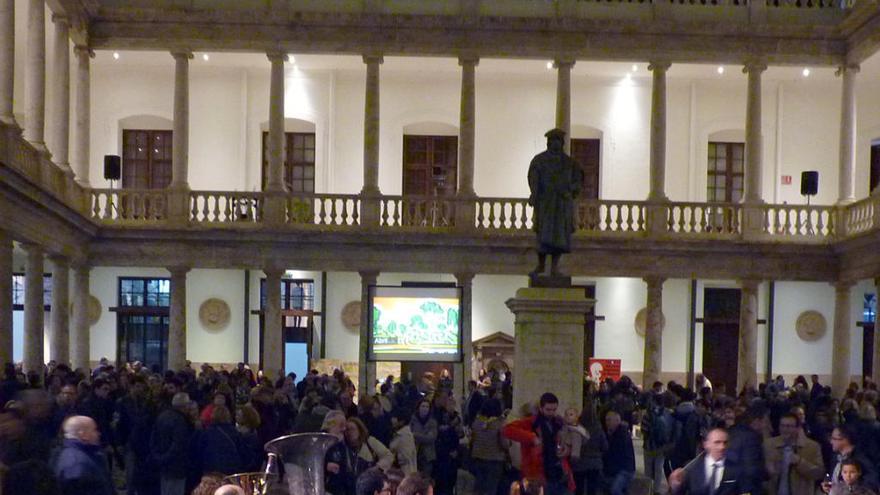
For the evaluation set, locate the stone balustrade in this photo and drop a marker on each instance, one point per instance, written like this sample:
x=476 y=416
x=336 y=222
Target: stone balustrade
x=816 y=222
x=128 y=206
x=225 y=206
x=715 y=219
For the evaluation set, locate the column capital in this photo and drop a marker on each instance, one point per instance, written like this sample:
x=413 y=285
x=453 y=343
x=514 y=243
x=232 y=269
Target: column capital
x=654 y=280
x=373 y=58
x=273 y=271
x=471 y=60
x=464 y=278
x=749 y=283
x=758 y=66
x=847 y=69
x=182 y=55
x=563 y=63
x=659 y=65
x=179 y=270
x=30 y=248
x=843 y=285
x=58 y=259
x=368 y=276
x=83 y=51
x=277 y=56
x=60 y=19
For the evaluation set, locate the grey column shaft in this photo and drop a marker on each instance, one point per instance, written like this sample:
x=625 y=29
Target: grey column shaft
x=275 y=142
x=366 y=368
x=840 y=340
x=371 y=126
x=7 y=60
x=658 y=131
x=83 y=122
x=61 y=102
x=754 y=142
x=747 y=369
x=180 y=137
x=5 y=302
x=35 y=74
x=80 y=337
x=846 y=186
x=59 y=338
x=177 y=314
x=563 y=98
x=272 y=344
x=466 y=282
x=467 y=125
x=33 y=310
x=653 y=363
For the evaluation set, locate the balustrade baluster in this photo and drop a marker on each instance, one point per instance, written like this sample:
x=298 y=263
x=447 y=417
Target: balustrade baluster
x=228 y=201
x=344 y=212
x=820 y=223
x=397 y=215
x=334 y=219
x=493 y=216
x=618 y=219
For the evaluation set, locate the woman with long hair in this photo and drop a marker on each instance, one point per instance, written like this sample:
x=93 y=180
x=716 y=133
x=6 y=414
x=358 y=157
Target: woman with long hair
x=425 y=429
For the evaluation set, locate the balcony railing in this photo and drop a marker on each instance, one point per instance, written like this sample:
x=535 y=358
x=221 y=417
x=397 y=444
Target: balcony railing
x=129 y=206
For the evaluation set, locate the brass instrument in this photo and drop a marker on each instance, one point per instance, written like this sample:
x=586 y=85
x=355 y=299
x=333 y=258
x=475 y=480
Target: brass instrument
x=302 y=456
x=251 y=483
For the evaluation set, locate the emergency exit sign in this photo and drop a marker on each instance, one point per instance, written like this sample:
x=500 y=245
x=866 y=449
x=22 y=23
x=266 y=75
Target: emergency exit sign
x=786 y=180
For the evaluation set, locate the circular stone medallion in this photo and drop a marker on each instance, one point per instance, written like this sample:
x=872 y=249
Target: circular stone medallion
x=642 y=321
x=351 y=315
x=214 y=314
x=811 y=326
x=93 y=310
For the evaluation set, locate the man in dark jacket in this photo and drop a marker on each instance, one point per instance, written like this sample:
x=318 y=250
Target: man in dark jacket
x=99 y=406
x=81 y=466
x=746 y=450
x=170 y=445
x=619 y=462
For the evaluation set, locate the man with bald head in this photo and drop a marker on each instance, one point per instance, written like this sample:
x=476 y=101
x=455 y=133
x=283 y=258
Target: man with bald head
x=81 y=466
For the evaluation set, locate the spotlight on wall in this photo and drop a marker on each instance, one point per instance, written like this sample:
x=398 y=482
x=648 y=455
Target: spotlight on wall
x=115 y=55
x=635 y=67
x=291 y=59
x=205 y=57
x=720 y=69
x=549 y=65
x=806 y=72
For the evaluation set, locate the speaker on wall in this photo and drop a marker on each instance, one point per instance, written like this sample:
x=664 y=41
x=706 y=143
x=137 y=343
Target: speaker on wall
x=112 y=167
x=809 y=183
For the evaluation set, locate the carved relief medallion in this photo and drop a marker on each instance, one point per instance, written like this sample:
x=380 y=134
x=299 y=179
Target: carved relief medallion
x=351 y=315
x=811 y=326
x=214 y=314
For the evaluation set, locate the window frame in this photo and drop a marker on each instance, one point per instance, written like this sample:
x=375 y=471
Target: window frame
x=155 y=171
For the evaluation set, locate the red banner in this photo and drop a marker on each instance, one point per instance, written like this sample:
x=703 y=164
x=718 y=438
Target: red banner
x=602 y=369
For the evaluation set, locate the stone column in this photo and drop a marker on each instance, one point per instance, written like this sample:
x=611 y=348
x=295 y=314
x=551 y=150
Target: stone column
x=59 y=336
x=80 y=337
x=747 y=364
x=846 y=186
x=875 y=368
x=61 y=86
x=7 y=61
x=563 y=98
x=177 y=315
x=840 y=340
x=467 y=125
x=465 y=372
x=754 y=146
x=653 y=365
x=180 y=137
x=82 y=124
x=549 y=344
x=366 y=368
x=658 y=131
x=275 y=141
x=35 y=76
x=5 y=302
x=271 y=345
x=33 y=309
x=370 y=207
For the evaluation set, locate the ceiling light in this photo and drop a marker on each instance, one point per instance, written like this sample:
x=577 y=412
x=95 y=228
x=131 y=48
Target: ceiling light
x=635 y=67
x=720 y=69
x=205 y=57
x=115 y=55
x=806 y=72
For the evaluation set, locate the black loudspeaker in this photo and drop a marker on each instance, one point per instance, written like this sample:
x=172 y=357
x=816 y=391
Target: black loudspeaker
x=112 y=167
x=809 y=183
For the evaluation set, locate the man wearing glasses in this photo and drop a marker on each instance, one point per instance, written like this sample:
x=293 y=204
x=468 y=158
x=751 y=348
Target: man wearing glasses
x=793 y=461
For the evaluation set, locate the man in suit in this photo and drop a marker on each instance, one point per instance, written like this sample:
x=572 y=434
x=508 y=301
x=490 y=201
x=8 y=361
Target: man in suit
x=710 y=473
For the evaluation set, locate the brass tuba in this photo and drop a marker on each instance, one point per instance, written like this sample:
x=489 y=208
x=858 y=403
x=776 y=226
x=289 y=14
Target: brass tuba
x=302 y=456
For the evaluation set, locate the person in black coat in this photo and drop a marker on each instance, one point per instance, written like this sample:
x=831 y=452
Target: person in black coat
x=170 y=445
x=137 y=415
x=219 y=447
x=619 y=461
x=711 y=473
x=81 y=466
x=746 y=450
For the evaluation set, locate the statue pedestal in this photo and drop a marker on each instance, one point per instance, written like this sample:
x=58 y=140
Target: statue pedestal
x=549 y=345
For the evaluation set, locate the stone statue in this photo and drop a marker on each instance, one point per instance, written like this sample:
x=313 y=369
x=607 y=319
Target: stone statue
x=555 y=181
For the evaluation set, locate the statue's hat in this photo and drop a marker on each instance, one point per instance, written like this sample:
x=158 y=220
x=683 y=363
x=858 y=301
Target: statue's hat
x=555 y=133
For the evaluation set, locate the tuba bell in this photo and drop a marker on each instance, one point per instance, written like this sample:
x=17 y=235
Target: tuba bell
x=302 y=458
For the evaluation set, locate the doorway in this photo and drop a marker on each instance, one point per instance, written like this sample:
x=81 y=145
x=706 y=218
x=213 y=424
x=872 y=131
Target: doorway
x=721 y=338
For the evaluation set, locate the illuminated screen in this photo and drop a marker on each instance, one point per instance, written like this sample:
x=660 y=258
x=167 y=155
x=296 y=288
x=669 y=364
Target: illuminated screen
x=415 y=324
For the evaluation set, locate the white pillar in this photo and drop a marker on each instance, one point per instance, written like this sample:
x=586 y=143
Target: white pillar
x=80 y=337
x=366 y=368
x=33 y=309
x=747 y=369
x=754 y=146
x=846 y=185
x=653 y=366
x=840 y=340
x=7 y=60
x=272 y=337
x=177 y=315
x=275 y=169
x=5 y=302
x=371 y=126
x=35 y=75
x=81 y=127
x=180 y=138
x=563 y=98
x=467 y=126
x=59 y=337
x=658 y=132
x=61 y=86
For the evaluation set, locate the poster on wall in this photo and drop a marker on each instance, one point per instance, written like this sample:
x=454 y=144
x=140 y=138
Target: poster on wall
x=601 y=369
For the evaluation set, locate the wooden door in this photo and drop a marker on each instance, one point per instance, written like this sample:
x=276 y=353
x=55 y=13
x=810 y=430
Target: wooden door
x=868 y=349
x=875 y=166
x=721 y=338
x=586 y=153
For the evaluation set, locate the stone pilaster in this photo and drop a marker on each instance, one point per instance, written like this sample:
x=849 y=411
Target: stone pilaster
x=33 y=309
x=272 y=339
x=754 y=144
x=366 y=368
x=840 y=340
x=180 y=137
x=5 y=302
x=275 y=141
x=747 y=365
x=35 y=75
x=563 y=98
x=658 y=131
x=177 y=316
x=61 y=87
x=59 y=336
x=549 y=344
x=82 y=124
x=81 y=332
x=465 y=371
x=847 y=160
x=467 y=126
x=653 y=365
x=370 y=204
x=7 y=60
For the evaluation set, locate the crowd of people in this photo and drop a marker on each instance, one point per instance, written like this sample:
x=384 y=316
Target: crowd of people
x=144 y=432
